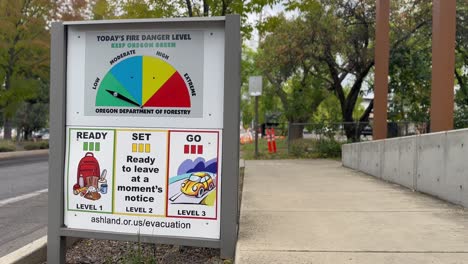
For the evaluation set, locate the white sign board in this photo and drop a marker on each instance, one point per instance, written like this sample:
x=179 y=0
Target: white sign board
x=143 y=77
x=255 y=85
x=144 y=129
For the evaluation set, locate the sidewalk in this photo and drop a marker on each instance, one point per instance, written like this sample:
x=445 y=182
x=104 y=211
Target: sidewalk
x=316 y=211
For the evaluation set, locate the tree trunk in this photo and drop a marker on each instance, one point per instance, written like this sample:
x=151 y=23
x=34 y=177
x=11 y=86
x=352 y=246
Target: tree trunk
x=189 y=7
x=350 y=131
x=206 y=8
x=27 y=134
x=7 y=128
x=353 y=130
x=295 y=131
x=223 y=9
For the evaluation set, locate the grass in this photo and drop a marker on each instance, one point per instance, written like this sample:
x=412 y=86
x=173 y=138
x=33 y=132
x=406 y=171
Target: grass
x=301 y=148
x=138 y=256
x=43 y=144
x=6 y=146
x=248 y=150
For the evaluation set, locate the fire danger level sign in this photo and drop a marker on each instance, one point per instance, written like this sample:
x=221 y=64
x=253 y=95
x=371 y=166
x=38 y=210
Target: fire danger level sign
x=145 y=132
x=147 y=181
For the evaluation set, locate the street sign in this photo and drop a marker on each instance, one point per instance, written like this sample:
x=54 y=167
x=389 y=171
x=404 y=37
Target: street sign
x=255 y=85
x=142 y=121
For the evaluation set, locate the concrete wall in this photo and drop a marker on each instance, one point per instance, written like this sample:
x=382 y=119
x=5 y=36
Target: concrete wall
x=436 y=163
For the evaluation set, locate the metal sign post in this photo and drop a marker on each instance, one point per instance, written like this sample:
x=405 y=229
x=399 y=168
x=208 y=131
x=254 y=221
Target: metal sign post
x=255 y=89
x=144 y=132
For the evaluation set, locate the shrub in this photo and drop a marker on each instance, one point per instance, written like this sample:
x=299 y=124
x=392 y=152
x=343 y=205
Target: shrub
x=6 y=146
x=327 y=148
x=298 y=148
x=37 y=145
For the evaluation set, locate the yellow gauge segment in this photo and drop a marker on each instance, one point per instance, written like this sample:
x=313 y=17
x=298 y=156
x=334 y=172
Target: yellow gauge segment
x=155 y=73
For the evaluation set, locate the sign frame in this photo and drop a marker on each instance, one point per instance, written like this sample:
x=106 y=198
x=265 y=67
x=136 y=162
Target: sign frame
x=57 y=231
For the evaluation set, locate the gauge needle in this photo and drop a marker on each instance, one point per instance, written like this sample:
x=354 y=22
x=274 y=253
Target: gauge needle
x=121 y=97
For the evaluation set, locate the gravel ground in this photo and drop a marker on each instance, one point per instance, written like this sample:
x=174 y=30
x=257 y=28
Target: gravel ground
x=94 y=251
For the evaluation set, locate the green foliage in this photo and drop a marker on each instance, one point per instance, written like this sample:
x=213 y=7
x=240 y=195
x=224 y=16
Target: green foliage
x=410 y=71
x=116 y=9
x=150 y=9
x=461 y=117
x=33 y=113
x=315 y=148
x=21 y=89
x=461 y=66
x=102 y=9
x=248 y=150
x=327 y=148
x=247 y=69
x=137 y=255
x=6 y=146
x=329 y=110
x=410 y=84
x=343 y=33
x=285 y=60
x=24 y=53
x=44 y=144
x=299 y=148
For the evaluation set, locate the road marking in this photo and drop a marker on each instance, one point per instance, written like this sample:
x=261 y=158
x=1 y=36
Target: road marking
x=31 y=250
x=22 y=197
x=175 y=196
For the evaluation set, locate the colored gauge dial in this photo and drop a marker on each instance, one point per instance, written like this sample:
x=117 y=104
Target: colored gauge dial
x=143 y=81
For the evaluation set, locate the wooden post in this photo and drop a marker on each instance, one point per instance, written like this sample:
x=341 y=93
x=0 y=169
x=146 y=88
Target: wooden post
x=382 y=54
x=443 y=64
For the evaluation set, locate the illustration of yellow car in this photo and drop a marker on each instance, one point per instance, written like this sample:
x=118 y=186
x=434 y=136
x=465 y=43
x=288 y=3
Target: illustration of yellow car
x=198 y=184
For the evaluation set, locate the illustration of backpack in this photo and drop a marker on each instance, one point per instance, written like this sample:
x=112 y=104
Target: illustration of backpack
x=88 y=166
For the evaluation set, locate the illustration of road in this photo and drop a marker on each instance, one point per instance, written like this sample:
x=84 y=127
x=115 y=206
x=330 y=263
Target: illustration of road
x=177 y=196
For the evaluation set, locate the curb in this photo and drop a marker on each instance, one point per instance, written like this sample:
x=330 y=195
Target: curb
x=241 y=188
x=34 y=252
x=23 y=154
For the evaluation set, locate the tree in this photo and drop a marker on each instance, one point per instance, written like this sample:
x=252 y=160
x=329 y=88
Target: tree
x=224 y=7
x=461 y=66
x=346 y=36
x=33 y=113
x=24 y=53
x=151 y=8
x=284 y=58
x=410 y=78
x=328 y=112
x=247 y=69
x=72 y=10
x=410 y=72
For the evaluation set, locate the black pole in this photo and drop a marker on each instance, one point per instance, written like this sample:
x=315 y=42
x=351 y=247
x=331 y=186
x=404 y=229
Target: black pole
x=256 y=127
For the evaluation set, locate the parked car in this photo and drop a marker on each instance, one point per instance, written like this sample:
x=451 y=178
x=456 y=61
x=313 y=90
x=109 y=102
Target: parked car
x=198 y=184
x=367 y=131
x=41 y=134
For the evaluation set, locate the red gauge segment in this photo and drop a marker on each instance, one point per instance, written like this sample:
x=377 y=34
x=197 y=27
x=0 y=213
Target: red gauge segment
x=173 y=93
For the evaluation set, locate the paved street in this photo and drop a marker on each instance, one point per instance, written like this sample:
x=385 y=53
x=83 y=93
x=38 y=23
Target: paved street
x=23 y=202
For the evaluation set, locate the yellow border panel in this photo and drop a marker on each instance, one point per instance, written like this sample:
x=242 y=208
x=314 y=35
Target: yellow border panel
x=148 y=215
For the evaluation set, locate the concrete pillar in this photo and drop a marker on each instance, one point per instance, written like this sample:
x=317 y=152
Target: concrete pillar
x=382 y=54
x=443 y=64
